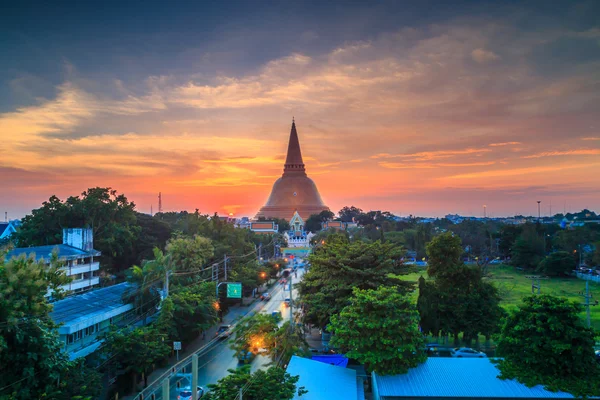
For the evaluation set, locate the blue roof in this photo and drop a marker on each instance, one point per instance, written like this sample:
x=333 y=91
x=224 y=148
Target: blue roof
x=65 y=252
x=79 y=308
x=332 y=359
x=458 y=377
x=323 y=381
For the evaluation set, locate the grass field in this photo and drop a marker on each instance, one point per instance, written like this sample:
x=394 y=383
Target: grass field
x=514 y=286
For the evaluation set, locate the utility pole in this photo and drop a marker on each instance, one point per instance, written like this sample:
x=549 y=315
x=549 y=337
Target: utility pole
x=159 y=202
x=241 y=393
x=579 y=256
x=539 y=213
x=167 y=283
x=291 y=300
x=588 y=296
x=535 y=283
x=225 y=266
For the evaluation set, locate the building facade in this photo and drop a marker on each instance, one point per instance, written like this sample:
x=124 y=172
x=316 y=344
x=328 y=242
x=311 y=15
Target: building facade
x=76 y=252
x=85 y=317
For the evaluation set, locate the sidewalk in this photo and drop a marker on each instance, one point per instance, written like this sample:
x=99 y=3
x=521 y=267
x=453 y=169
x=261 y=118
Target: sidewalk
x=234 y=313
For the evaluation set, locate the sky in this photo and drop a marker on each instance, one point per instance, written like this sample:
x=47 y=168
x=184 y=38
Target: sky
x=423 y=108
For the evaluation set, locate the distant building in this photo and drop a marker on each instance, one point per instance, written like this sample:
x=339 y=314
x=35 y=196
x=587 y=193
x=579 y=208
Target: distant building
x=264 y=227
x=338 y=225
x=324 y=381
x=456 y=379
x=76 y=252
x=7 y=229
x=297 y=236
x=85 y=317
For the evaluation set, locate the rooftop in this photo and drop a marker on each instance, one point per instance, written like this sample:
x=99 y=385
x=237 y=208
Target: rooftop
x=65 y=252
x=324 y=381
x=79 y=308
x=475 y=378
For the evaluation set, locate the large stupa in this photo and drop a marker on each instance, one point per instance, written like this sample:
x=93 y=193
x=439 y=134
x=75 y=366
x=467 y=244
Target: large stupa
x=294 y=191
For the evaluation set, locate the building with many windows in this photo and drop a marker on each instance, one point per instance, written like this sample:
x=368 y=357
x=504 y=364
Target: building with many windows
x=85 y=317
x=77 y=254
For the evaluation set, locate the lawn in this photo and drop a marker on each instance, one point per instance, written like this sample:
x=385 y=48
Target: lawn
x=513 y=286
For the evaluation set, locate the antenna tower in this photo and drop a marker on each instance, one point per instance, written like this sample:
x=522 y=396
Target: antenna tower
x=159 y=202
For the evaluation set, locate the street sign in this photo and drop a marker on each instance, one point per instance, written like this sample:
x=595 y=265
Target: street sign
x=234 y=290
x=176 y=345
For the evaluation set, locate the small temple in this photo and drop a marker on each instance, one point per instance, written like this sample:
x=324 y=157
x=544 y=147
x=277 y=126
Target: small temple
x=294 y=192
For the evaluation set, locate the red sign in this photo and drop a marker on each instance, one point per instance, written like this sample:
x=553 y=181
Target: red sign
x=292 y=257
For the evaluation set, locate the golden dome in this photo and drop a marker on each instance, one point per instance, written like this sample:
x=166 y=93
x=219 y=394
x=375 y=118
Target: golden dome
x=294 y=191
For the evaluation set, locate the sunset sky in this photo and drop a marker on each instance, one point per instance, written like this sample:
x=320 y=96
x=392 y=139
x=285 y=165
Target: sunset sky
x=426 y=109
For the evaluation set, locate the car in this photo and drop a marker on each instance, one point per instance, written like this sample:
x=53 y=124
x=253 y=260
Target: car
x=265 y=296
x=223 y=332
x=283 y=281
x=246 y=358
x=466 y=352
x=287 y=302
x=186 y=393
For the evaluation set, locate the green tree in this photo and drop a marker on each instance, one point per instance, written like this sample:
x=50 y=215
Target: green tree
x=190 y=255
x=529 y=249
x=347 y=214
x=314 y=221
x=110 y=216
x=557 y=264
x=443 y=255
x=193 y=310
x=338 y=266
x=31 y=359
x=596 y=255
x=252 y=333
x=286 y=342
x=272 y=384
x=545 y=342
x=380 y=329
x=136 y=351
x=153 y=233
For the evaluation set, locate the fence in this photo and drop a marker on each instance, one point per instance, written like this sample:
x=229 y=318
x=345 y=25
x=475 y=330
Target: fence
x=587 y=277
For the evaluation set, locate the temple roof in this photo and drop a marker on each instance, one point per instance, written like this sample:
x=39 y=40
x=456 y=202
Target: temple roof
x=293 y=161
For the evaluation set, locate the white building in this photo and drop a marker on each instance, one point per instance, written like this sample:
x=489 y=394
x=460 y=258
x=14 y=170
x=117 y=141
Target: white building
x=85 y=317
x=76 y=252
x=297 y=236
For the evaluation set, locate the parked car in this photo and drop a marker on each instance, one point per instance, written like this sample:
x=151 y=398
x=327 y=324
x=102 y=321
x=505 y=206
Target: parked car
x=265 y=296
x=283 y=281
x=466 y=352
x=223 y=332
x=246 y=358
x=186 y=393
x=287 y=302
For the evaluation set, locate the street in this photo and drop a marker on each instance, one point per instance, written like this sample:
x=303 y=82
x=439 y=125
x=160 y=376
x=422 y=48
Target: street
x=214 y=364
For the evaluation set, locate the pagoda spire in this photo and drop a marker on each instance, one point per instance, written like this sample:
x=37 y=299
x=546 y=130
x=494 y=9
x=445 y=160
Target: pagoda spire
x=293 y=162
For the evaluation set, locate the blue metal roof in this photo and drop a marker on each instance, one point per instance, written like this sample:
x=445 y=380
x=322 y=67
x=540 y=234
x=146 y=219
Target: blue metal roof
x=65 y=252
x=458 y=377
x=323 y=381
x=77 y=309
x=332 y=359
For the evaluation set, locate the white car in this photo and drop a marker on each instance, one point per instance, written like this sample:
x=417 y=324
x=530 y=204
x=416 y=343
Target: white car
x=186 y=393
x=467 y=352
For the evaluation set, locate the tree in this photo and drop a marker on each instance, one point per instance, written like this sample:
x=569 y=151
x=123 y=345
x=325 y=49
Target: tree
x=348 y=214
x=153 y=233
x=136 y=351
x=528 y=250
x=194 y=310
x=596 y=255
x=338 y=266
x=190 y=255
x=557 y=264
x=545 y=342
x=443 y=254
x=272 y=384
x=253 y=333
x=286 y=342
x=32 y=362
x=315 y=221
x=380 y=329
x=110 y=216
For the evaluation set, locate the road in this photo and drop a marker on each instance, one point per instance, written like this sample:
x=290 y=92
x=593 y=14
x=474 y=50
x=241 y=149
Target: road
x=213 y=365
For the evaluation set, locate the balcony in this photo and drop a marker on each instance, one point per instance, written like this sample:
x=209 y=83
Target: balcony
x=82 y=268
x=82 y=283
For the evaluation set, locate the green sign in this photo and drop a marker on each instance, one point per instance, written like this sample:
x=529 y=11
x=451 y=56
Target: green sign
x=234 y=290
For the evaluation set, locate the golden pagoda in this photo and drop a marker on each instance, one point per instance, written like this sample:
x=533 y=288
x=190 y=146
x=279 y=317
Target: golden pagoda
x=294 y=191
